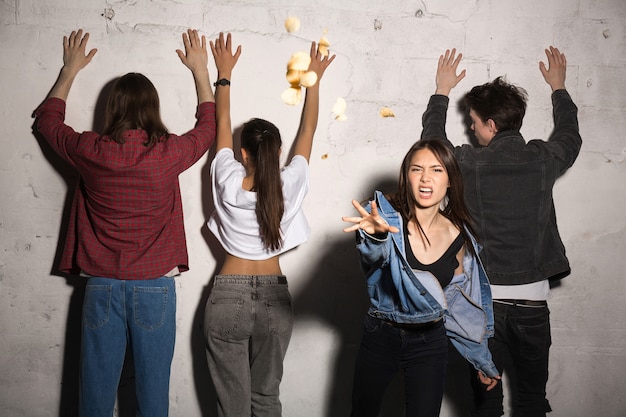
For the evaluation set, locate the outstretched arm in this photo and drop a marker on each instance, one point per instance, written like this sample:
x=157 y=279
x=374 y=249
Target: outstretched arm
x=370 y=223
x=447 y=78
x=74 y=60
x=196 y=59
x=554 y=74
x=310 y=110
x=225 y=61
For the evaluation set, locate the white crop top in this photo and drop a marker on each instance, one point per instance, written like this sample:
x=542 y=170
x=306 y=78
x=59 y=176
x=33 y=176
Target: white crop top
x=234 y=222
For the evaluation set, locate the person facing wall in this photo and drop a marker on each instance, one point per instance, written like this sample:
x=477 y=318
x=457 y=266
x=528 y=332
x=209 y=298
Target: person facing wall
x=126 y=232
x=508 y=190
x=258 y=216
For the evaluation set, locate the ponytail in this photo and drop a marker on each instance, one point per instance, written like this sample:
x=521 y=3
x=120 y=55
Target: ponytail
x=261 y=140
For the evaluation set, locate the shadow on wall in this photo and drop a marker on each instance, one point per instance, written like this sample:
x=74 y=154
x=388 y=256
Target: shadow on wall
x=68 y=406
x=467 y=122
x=205 y=390
x=339 y=281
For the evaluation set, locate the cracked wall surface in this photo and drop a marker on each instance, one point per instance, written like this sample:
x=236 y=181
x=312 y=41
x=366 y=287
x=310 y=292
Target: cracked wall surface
x=386 y=60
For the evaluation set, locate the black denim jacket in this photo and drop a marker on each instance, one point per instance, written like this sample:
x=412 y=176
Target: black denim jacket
x=508 y=190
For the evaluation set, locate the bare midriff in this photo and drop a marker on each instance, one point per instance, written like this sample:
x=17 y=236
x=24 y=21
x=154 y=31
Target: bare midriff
x=239 y=266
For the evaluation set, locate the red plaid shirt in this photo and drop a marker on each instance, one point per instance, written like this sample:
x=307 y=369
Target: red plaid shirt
x=126 y=220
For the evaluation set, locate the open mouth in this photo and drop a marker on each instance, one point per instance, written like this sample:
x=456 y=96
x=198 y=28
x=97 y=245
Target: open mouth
x=425 y=192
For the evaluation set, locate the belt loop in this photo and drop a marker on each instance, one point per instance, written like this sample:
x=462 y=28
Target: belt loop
x=254 y=281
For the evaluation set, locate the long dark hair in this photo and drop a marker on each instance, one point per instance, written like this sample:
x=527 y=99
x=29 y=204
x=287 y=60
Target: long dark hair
x=455 y=210
x=261 y=140
x=499 y=101
x=134 y=104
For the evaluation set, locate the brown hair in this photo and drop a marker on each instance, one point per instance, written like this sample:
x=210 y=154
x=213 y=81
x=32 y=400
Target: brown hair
x=455 y=210
x=134 y=104
x=261 y=140
x=499 y=101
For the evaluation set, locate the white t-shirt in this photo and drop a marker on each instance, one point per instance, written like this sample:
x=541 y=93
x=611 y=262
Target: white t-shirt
x=234 y=222
x=537 y=291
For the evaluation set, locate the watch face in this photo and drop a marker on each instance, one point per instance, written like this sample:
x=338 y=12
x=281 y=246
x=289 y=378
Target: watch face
x=223 y=81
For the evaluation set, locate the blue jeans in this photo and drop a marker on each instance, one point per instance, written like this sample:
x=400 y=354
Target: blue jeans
x=522 y=338
x=141 y=313
x=420 y=352
x=247 y=324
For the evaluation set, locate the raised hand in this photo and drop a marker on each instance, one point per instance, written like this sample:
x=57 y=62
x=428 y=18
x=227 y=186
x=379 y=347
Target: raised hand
x=223 y=55
x=371 y=223
x=447 y=78
x=74 y=60
x=74 y=47
x=554 y=74
x=195 y=56
x=319 y=61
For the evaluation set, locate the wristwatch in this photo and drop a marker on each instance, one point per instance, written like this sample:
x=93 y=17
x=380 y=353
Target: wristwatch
x=222 y=82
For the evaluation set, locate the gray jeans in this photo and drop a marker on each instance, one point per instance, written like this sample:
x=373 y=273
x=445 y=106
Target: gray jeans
x=247 y=324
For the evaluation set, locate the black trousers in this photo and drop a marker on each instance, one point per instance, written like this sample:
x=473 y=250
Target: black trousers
x=420 y=353
x=522 y=341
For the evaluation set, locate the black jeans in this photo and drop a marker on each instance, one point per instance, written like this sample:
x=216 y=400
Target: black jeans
x=522 y=339
x=421 y=353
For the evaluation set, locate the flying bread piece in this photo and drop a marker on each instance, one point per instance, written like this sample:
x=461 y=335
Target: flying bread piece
x=292 y=24
x=308 y=79
x=292 y=96
x=386 y=112
x=299 y=61
x=297 y=76
x=339 y=109
x=322 y=46
x=293 y=77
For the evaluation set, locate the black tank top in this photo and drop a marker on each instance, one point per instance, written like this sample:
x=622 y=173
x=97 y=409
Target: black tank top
x=443 y=268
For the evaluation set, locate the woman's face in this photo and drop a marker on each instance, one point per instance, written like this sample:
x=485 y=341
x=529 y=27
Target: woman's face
x=428 y=179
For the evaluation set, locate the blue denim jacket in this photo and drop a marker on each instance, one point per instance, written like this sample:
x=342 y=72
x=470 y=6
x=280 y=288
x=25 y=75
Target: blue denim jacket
x=399 y=294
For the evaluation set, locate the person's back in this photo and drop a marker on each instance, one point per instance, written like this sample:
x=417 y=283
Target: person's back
x=125 y=233
x=508 y=189
x=128 y=207
x=258 y=216
x=243 y=201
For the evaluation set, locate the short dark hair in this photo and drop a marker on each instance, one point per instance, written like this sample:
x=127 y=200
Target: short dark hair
x=499 y=101
x=134 y=104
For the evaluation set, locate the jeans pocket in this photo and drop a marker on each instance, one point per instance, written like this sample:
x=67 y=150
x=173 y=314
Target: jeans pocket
x=280 y=315
x=150 y=306
x=97 y=305
x=223 y=311
x=371 y=324
x=534 y=336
